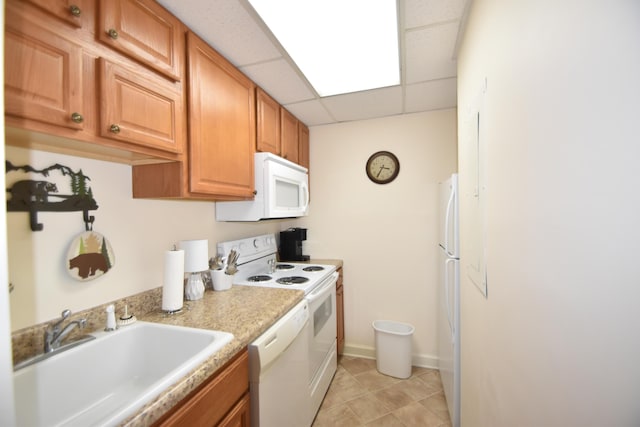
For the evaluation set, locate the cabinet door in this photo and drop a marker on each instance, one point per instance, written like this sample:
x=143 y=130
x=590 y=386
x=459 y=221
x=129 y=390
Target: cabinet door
x=221 y=399
x=42 y=74
x=72 y=12
x=140 y=109
x=222 y=128
x=239 y=415
x=288 y=135
x=303 y=145
x=144 y=31
x=268 y=113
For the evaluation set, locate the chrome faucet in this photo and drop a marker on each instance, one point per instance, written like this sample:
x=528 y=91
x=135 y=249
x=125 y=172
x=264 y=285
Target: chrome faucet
x=53 y=336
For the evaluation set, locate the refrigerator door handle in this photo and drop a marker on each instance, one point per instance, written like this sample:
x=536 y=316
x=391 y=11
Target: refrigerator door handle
x=446 y=296
x=447 y=216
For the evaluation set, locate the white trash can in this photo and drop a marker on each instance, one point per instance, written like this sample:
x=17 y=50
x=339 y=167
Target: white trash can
x=393 y=348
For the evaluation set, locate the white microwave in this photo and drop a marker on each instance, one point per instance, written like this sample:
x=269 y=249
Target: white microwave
x=282 y=191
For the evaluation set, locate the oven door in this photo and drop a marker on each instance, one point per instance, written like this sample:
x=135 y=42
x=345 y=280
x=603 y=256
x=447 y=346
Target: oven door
x=323 y=330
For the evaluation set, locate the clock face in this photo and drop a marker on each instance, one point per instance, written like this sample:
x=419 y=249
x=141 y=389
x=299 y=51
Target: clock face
x=383 y=167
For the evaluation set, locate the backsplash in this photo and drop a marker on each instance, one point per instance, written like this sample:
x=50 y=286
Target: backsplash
x=139 y=230
x=29 y=341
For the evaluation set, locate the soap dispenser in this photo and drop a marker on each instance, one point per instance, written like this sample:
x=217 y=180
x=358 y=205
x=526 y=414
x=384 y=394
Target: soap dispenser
x=111 y=318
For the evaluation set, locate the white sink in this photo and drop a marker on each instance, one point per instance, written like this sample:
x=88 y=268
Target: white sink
x=106 y=380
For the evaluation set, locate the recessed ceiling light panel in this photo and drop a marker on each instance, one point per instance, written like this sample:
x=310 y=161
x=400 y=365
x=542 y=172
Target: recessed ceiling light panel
x=340 y=46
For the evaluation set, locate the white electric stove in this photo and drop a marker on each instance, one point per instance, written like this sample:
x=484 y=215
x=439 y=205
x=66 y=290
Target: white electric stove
x=258 y=265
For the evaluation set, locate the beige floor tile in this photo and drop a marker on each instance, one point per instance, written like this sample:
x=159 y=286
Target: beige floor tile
x=388 y=420
x=437 y=404
x=393 y=397
x=357 y=365
x=417 y=415
x=415 y=388
x=374 y=380
x=361 y=396
x=368 y=408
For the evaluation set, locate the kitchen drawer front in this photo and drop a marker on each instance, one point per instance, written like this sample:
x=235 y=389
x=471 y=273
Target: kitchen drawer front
x=141 y=109
x=210 y=405
x=76 y=13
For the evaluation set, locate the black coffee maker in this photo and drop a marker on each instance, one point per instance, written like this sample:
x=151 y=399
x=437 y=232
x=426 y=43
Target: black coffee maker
x=291 y=244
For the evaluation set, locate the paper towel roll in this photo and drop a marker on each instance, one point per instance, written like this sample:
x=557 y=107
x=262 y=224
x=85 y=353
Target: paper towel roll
x=196 y=255
x=173 y=282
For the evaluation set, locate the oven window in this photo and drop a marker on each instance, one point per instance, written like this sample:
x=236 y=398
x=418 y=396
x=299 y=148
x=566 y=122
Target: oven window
x=321 y=316
x=287 y=194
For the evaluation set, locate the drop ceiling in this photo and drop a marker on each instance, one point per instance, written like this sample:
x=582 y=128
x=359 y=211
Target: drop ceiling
x=429 y=34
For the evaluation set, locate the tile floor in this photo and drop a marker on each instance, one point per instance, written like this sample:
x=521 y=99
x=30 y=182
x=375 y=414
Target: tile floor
x=361 y=396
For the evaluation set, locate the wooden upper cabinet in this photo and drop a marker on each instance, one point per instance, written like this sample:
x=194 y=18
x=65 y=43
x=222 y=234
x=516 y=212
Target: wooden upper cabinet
x=303 y=145
x=144 y=31
x=288 y=136
x=142 y=109
x=268 y=123
x=222 y=125
x=73 y=12
x=43 y=74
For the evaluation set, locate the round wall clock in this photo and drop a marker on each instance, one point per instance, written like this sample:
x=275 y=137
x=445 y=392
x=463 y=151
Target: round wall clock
x=382 y=167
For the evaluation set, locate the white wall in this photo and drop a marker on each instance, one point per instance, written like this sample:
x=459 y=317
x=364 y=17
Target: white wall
x=556 y=343
x=138 y=230
x=386 y=234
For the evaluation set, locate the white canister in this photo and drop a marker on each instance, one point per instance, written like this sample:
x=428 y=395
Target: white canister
x=221 y=280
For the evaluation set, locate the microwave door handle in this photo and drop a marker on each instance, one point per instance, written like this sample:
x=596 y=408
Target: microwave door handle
x=305 y=190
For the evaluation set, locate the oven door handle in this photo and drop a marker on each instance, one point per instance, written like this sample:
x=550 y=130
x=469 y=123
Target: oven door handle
x=321 y=290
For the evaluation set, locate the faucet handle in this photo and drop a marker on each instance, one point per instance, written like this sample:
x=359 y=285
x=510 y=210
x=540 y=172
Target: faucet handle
x=56 y=326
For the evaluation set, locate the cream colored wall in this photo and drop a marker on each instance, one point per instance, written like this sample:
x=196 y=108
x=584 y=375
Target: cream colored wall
x=386 y=234
x=556 y=342
x=138 y=230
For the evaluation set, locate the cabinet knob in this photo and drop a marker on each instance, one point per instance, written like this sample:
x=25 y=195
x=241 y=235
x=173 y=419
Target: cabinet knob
x=75 y=10
x=113 y=33
x=115 y=128
x=77 y=118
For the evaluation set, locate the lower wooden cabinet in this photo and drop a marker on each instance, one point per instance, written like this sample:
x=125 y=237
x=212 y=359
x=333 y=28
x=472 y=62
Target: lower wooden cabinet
x=223 y=400
x=340 y=311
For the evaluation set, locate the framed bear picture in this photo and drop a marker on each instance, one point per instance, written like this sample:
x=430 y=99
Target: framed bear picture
x=90 y=256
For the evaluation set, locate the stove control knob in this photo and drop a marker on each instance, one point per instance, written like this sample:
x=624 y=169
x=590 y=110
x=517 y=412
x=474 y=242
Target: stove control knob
x=256 y=243
x=241 y=248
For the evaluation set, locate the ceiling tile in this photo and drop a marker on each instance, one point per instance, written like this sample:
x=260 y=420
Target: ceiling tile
x=364 y=105
x=419 y=13
x=310 y=113
x=432 y=95
x=429 y=53
x=280 y=80
x=227 y=27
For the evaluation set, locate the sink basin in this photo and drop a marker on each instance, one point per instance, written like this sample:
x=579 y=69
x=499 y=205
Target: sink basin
x=106 y=380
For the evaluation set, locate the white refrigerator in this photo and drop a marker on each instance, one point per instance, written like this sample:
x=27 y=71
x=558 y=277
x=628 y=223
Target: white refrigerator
x=449 y=296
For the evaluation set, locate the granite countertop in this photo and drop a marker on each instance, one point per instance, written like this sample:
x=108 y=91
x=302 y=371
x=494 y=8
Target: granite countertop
x=244 y=311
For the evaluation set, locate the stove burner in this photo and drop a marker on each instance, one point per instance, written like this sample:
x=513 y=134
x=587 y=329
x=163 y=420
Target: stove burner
x=292 y=280
x=285 y=267
x=259 y=278
x=313 y=268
